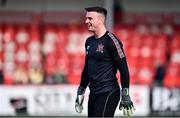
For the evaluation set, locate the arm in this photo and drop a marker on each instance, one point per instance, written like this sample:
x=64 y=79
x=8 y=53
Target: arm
x=119 y=59
x=84 y=78
x=81 y=89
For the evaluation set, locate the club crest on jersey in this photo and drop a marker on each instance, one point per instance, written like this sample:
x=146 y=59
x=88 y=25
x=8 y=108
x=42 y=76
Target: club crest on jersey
x=100 y=48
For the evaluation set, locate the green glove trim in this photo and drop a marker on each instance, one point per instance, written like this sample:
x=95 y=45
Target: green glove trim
x=125 y=91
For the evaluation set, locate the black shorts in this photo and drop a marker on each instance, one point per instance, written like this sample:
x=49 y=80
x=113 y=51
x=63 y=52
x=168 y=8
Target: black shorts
x=104 y=104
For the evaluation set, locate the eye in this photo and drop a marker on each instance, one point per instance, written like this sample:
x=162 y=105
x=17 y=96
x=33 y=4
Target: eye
x=89 y=18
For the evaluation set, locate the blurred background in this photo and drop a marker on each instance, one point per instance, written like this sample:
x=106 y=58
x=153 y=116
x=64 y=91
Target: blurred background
x=42 y=54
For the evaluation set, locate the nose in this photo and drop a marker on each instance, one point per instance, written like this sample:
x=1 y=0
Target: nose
x=86 y=21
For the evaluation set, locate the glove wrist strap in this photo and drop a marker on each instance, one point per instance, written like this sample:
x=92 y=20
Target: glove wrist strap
x=81 y=90
x=125 y=91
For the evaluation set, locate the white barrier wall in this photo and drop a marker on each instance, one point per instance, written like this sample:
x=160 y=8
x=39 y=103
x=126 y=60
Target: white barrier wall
x=59 y=100
x=165 y=101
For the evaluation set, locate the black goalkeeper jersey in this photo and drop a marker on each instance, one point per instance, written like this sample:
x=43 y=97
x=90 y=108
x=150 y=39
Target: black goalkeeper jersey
x=104 y=56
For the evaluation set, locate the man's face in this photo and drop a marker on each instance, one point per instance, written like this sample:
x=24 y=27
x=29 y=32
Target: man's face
x=93 y=20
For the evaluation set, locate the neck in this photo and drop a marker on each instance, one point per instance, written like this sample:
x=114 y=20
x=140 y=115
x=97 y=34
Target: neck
x=100 y=32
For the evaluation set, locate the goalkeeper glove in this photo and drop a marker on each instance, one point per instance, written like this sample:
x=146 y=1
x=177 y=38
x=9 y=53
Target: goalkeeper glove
x=79 y=100
x=126 y=104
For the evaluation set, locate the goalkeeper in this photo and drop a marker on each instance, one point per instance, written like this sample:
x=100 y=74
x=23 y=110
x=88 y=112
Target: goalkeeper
x=104 y=56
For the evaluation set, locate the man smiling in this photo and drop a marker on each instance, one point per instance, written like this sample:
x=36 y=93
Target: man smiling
x=104 y=56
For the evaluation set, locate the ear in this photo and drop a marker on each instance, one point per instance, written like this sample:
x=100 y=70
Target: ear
x=101 y=18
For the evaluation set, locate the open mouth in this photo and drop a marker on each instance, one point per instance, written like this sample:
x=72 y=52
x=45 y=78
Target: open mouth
x=89 y=25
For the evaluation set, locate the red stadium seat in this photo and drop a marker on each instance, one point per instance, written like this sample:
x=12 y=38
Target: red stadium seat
x=9 y=34
x=172 y=78
x=22 y=35
x=145 y=75
x=175 y=44
x=133 y=52
x=76 y=42
x=8 y=71
x=62 y=36
x=75 y=68
x=50 y=63
x=1 y=39
x=34 y=33
x=159 y=56
x=1 y=60
x=175 y=57
x=63 y=51
x=62 y=62
x=145 y=52
x=8 y=79
x=133 y=69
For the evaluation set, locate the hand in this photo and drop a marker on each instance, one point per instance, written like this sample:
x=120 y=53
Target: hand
x=78 y=103
x=126 y=104
x=79 y=99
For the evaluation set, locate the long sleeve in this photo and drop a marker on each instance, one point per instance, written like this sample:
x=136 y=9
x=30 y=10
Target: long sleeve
x=84 y=78
x=119 y=59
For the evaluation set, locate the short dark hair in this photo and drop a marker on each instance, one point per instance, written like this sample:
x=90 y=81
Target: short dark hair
x=97 y=9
